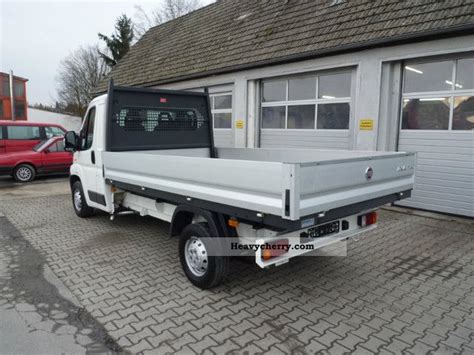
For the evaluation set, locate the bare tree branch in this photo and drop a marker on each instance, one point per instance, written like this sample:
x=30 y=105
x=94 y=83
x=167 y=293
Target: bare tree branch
x=79 y=74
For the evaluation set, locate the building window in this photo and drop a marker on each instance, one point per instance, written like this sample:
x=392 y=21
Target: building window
x=18 y=89
x=5 y=87
x=438 y=95
x=221 y=109
x=20 y=110
x=307 y=102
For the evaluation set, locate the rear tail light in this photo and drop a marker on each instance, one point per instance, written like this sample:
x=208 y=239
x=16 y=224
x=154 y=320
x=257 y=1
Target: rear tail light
x=367 y=219
x=274 y=249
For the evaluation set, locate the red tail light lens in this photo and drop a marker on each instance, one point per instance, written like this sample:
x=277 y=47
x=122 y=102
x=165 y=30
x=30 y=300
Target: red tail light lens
x=367 y=219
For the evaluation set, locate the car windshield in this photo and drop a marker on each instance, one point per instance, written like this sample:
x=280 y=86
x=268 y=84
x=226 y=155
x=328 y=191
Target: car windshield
x=41 y=144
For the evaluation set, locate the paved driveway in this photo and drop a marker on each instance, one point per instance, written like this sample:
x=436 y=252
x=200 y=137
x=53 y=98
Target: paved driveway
x=406 y=287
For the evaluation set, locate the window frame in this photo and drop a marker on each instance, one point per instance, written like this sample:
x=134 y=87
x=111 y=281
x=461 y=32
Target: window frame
x=85 y=130
x=316 y=101
x=451 y=94
x=217 y=111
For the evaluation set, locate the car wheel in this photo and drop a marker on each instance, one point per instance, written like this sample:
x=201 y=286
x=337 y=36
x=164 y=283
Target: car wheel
x=79 y=202
x=203 y=270
x=24 y=173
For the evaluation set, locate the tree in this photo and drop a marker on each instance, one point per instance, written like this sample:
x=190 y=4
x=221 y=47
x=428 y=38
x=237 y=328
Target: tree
x=79 y=73
x=166 y=11
x=118 y=44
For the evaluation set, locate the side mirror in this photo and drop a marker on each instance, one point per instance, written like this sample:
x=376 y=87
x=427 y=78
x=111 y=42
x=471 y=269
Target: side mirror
x=71 y=141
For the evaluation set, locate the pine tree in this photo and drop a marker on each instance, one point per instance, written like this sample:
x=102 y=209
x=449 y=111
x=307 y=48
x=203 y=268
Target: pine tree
x=118 y=44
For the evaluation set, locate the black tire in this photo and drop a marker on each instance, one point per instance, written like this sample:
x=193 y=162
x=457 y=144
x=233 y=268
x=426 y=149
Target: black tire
x=24 y=173
x=217 y=266
x=80 y=206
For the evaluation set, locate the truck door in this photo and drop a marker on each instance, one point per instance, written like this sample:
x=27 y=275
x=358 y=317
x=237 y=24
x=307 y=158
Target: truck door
x=86 y=157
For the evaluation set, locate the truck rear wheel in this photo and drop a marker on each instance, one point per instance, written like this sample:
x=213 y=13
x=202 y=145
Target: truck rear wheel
x=203 y=270
x=79 y=201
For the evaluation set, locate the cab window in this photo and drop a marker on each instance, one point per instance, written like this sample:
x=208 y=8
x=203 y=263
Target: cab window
x=87 y=132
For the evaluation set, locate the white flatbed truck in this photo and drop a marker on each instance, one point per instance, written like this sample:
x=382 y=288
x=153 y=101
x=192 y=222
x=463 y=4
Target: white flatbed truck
x=152 y=152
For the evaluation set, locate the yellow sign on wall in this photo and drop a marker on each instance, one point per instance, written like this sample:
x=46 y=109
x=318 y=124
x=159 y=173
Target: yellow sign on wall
x=366 y=125
x=239 y=124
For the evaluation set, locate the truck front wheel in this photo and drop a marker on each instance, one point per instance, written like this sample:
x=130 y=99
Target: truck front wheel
x=203 y=270
x=79 y=201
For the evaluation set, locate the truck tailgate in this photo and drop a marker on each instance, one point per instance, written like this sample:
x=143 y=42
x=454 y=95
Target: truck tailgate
x=327 y=185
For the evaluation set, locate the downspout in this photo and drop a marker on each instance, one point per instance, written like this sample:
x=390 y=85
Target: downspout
x=12 y=98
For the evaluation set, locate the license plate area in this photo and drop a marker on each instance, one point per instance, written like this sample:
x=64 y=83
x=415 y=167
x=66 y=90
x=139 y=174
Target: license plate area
x=320 y=231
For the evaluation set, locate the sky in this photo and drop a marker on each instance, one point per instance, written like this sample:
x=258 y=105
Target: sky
x=36 y=35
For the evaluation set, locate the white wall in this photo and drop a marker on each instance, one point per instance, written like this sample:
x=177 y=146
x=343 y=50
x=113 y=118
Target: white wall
x=71 y=123
x=367 y=98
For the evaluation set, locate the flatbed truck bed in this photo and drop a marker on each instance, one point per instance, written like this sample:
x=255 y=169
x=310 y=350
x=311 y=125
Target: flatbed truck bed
x=152 y=152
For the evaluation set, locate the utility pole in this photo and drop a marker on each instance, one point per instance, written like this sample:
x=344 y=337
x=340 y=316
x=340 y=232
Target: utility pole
x=12 y=96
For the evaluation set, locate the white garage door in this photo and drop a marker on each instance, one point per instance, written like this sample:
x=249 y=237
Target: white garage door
x=310 y=111
x=438 y=123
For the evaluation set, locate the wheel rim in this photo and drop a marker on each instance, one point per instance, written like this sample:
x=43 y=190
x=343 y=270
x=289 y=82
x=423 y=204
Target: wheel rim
x=77 y=200
x=196 y=256
x=24 y=173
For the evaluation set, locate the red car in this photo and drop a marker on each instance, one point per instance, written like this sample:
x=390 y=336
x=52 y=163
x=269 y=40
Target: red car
x=20 y=135
x=46 y=157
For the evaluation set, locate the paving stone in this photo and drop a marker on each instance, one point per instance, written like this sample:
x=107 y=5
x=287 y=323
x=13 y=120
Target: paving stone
x=396 y=290
x=25 y=307
x=140 y=347
x=201 y=346
x=31 y=317
x=373 y=344
x=421 y=348
x=66 y=329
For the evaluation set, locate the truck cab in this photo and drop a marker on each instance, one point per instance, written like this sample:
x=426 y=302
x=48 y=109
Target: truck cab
x=87 y=164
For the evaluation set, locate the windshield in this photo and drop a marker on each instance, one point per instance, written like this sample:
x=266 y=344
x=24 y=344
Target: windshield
x=41 y=144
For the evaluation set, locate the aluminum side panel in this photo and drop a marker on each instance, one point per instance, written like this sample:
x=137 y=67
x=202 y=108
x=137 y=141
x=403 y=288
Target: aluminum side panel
x=245 y=184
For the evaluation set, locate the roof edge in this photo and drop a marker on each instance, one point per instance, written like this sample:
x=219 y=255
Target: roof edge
x=464 y=29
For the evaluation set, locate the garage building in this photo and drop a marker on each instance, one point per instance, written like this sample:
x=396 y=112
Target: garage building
x=330 y=74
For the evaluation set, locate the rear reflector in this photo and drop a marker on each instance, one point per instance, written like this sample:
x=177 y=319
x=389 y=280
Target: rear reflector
x=275 y=248
x=367 y=219
x=233 y=223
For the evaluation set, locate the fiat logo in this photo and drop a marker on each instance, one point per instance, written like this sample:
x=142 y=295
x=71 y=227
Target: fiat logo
x=369 y=172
